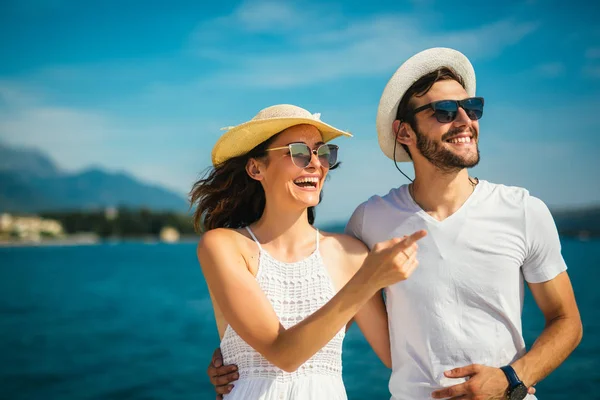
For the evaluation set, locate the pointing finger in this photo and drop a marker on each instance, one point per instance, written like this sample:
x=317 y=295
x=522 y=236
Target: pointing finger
x=418 y=235
x=408 y=246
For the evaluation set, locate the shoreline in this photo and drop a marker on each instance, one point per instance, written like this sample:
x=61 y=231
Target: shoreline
x=92 y=240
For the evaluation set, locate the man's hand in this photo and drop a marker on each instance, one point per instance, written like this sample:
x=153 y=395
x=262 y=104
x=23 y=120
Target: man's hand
x=484 y=383
x=221 y=375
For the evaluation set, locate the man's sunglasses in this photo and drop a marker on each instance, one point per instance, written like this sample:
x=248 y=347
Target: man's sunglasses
x=446 y=110
x=301 y=154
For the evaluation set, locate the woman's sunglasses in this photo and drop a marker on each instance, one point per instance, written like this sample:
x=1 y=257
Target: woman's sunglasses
x=301 y=154
x=446 y=110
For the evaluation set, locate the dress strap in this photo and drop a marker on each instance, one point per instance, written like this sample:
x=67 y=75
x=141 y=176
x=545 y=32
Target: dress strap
x=317 y=249
x=254 y=237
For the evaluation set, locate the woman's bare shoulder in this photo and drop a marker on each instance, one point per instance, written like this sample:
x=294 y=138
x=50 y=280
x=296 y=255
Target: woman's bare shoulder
x=223 y=239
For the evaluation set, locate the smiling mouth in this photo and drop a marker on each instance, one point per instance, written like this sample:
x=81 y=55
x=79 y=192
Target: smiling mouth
x=460 y=140
x=307 y=182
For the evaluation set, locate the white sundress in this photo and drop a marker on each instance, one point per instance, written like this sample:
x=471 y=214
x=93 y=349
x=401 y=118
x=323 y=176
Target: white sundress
x=295 y=290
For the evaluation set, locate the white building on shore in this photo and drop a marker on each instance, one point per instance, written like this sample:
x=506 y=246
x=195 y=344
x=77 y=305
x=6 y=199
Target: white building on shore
x=31 y=228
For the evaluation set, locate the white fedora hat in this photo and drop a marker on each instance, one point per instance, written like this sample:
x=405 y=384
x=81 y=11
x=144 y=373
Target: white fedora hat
x=240 y=139
x=412 y=70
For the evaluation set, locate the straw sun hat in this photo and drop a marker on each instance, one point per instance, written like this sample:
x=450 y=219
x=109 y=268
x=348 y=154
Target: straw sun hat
x=414 y=68
x=240 y=139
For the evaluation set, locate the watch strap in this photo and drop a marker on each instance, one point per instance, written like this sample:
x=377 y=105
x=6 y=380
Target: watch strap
x=511 y=375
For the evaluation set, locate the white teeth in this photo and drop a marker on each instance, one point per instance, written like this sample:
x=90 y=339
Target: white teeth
x=307 y=179
x=461 y=140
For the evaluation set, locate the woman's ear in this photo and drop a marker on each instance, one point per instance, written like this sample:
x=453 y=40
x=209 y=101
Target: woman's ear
x=254 y=169
x=403 y=132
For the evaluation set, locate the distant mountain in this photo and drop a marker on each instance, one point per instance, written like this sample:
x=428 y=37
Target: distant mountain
x=18 y=194
x=31 y=182
x=26 y=161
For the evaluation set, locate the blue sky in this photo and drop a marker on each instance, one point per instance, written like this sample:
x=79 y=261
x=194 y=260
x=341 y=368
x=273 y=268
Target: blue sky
x=145 y=86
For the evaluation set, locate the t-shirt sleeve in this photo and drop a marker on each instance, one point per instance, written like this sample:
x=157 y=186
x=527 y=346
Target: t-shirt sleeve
x=543 y=260
x=355 y=224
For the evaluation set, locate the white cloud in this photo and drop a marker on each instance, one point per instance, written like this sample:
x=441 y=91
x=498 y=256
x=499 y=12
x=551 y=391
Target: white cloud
x=343 y=47
x=13 y=95
x=551 y=70
x=268 y=16
x=59 y=131
x=592 y=53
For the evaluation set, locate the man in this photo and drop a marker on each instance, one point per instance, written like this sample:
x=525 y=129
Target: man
x=455 y=326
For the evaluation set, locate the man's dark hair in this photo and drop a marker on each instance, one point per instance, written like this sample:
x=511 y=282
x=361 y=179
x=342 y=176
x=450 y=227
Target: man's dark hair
x=420 y=88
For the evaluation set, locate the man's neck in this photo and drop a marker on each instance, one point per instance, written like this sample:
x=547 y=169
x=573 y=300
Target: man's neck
x=440 y=193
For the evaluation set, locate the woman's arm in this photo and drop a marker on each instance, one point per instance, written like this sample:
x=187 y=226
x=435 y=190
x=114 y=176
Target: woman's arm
x=248 y=311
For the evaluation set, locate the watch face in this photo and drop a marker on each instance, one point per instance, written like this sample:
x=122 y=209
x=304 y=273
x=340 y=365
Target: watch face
x=519 y=392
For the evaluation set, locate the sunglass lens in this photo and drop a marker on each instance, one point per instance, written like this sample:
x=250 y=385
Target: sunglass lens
x=474 y=107
x=301 y=154
x=445 y=111
x=444 y=116
x=327 y=155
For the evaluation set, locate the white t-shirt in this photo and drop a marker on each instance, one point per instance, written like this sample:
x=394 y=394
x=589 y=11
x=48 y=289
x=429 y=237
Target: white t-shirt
x=463 y=303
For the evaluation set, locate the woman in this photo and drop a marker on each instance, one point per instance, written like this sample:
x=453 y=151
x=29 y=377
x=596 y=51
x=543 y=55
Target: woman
x=282 y=291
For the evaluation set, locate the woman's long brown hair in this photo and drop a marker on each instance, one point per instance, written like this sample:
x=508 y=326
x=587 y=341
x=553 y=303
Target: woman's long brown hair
x=226 y=197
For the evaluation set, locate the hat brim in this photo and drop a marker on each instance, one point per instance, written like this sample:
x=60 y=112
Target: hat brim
x=242 y=138
x=412 y=70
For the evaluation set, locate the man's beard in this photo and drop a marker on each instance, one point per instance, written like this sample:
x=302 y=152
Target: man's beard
x=442 y=158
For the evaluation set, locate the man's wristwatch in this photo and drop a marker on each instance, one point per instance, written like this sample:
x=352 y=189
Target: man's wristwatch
x=516 y=389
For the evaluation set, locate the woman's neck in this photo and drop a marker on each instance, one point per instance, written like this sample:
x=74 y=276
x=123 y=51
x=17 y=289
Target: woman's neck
x=286 y=229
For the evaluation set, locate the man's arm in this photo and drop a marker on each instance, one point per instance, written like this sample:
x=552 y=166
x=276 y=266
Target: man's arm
x=561 y=335
x=545 y=271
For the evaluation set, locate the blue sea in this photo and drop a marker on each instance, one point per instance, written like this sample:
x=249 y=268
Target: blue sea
x=134 y=321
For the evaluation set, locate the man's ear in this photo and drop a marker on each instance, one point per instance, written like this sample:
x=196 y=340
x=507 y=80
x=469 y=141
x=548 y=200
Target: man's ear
x=254 y=169
x=403 y=132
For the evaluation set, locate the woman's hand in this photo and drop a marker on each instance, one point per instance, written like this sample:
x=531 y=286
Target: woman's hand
x=391 y=261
